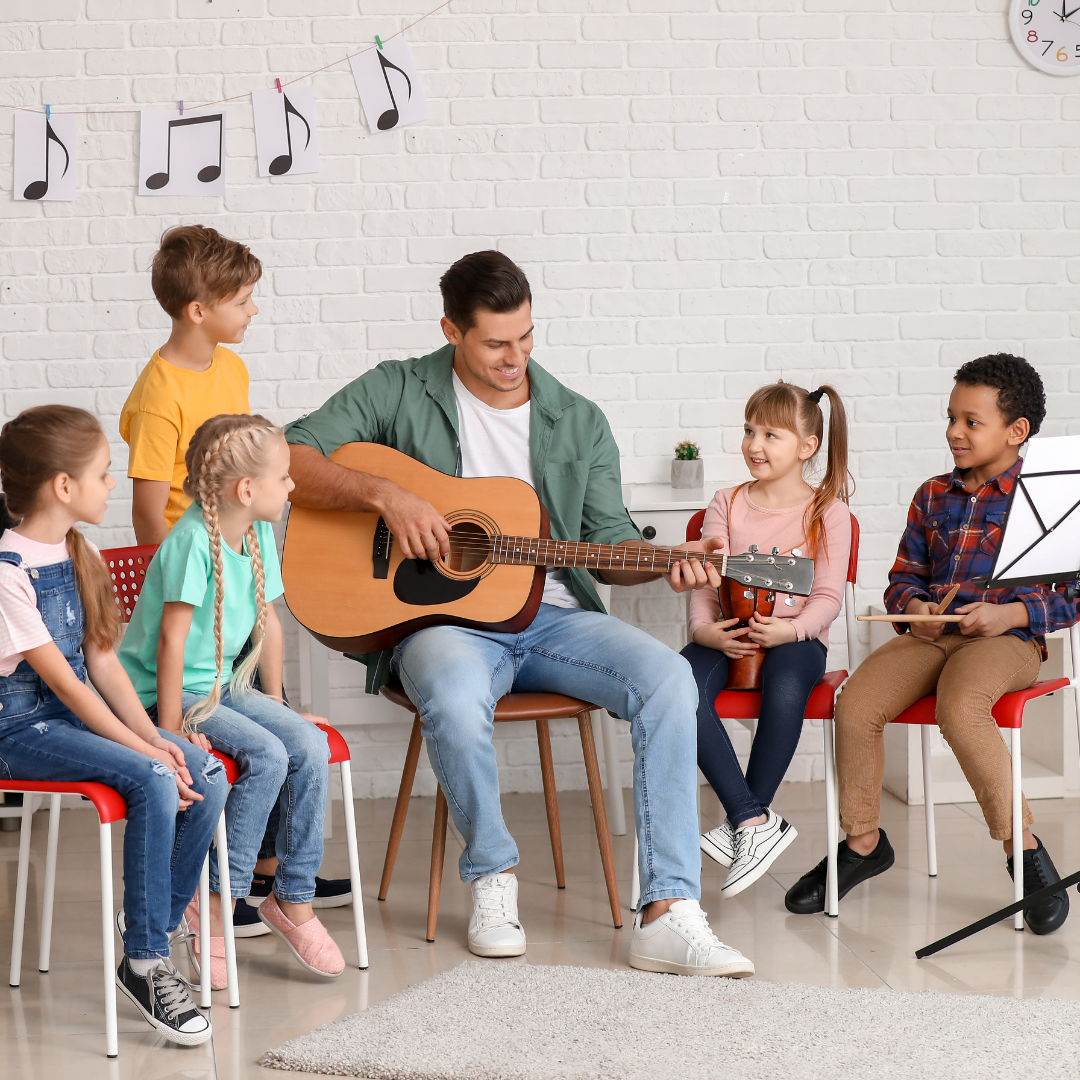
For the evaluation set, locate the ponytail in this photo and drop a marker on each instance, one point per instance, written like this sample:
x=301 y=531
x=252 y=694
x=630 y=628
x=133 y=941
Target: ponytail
x=785 y=405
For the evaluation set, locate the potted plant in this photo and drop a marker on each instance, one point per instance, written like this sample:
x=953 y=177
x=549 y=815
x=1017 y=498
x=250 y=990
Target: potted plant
x=687 y=470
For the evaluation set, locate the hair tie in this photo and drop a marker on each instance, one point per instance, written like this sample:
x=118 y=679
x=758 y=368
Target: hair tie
x=815 y=397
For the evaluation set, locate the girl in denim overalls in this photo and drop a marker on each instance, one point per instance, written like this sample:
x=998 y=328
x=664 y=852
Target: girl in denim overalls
x=58 y=628
x=207 y=593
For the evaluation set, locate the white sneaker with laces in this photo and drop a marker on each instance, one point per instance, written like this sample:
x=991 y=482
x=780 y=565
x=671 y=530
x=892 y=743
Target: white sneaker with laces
x=681 y=942
x=719 y=844
x=494 y=929
x=756 y=849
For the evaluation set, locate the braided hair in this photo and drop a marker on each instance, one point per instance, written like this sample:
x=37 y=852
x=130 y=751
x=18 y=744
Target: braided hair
x=222 y=452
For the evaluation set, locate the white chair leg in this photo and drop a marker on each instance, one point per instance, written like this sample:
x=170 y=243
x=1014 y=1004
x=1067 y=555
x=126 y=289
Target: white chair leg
x=50 y=884
x=20 y=890
x=1017 y=828
x=204 y=934
x=354 y=864
x=928 y=802
x=225 y=883
x=635 y=879
x=107 y=947
x=832 y=827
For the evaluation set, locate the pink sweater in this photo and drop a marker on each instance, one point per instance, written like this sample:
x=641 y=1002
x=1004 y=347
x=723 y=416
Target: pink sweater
x=746 y=524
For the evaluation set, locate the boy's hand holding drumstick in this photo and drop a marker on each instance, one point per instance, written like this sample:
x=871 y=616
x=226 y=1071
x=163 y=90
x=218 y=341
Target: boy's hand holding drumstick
x=920 y=615
x=976 y=620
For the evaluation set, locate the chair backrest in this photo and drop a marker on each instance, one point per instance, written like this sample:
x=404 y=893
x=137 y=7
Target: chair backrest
x=693 y=532
x=127 y=568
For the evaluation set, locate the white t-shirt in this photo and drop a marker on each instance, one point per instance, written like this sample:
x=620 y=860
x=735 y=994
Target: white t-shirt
x=21 y=625
x=495 y=442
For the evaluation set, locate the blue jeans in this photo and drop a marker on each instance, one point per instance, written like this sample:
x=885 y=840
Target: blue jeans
x=284 y=762
x=163 y=849
x=455 y=676
x=788 y=674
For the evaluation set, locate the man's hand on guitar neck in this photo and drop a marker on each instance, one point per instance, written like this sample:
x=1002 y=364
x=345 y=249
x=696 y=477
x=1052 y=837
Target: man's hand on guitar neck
x=420 y=531
x=692 y=574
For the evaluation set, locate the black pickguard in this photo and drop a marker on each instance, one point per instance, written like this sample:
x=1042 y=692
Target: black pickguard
x=417 y=582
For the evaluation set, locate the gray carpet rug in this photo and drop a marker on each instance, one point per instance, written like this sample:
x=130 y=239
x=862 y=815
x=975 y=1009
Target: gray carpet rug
x=486 y=1020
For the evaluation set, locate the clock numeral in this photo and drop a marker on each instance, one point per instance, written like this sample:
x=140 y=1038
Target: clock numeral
x=1032 y=3
x=1032 y=36
x=1078 y=52
x=1025 y=15
x=1062 y=55
x=1048 y=45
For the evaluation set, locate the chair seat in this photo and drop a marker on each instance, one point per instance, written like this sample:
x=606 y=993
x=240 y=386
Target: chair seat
x=746 y=704
x=513 y=706
x=109 y=804
x=1008 y=712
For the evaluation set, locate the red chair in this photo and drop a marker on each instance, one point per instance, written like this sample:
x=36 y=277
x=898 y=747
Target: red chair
x=746 y=704
x=128 y=569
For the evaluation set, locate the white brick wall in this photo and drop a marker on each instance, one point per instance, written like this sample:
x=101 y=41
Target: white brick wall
x=706 y=194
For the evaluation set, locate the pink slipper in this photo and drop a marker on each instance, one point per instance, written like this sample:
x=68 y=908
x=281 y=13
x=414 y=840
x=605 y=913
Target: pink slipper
x=219 y=978
x=310 y=942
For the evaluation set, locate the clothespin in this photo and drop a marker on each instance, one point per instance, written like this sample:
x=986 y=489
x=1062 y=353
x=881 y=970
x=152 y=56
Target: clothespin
x=279 y=90
x=181 y=106
x=378 y=41
x=48 y=111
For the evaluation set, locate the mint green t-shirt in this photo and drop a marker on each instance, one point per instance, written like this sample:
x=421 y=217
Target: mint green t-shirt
x=182 y=571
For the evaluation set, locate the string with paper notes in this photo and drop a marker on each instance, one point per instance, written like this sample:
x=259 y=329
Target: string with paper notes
x=182 y=150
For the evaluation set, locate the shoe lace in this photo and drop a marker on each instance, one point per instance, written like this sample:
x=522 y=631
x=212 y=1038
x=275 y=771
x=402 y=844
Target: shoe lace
x=1035 y=877
x=171 y=990
x=493 y=905
x=741 y=843
x=694 y=926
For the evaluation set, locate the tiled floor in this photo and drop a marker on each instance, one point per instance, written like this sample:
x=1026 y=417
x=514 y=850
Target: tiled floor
x=52 y=1025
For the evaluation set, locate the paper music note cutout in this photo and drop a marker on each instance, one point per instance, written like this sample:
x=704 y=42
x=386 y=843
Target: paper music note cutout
x=390 y=118
x=38 y=188
x=207 y=174
x=371 y=70
x=283 y=162
x=38 y=139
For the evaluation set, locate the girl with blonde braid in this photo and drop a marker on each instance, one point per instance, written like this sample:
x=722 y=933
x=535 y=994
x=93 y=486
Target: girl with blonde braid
x=207 y=593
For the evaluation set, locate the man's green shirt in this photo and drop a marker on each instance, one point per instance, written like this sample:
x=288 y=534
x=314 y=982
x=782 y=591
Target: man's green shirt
x=409 y=405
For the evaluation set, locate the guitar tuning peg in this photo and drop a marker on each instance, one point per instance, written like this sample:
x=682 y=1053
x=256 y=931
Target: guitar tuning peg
x=776 y=551
x=753 y=549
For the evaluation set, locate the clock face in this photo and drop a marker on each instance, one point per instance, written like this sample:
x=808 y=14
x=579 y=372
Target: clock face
x=1047 y=33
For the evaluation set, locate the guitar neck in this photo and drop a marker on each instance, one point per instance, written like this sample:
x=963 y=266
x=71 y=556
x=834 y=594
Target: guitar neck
x=639 y=558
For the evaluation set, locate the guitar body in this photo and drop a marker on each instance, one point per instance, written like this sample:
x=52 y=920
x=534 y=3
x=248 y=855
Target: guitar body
x=347 y=582
x=739 y=602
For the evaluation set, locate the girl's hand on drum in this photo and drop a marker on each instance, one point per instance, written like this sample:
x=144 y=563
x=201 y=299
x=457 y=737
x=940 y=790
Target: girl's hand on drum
x=719 y=636
x=769 y=631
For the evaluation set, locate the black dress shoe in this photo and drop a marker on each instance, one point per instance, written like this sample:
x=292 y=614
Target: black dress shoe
x=1039 y=871
x=807 y=895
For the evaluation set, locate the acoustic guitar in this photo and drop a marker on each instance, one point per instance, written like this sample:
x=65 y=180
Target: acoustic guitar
x=348 y=583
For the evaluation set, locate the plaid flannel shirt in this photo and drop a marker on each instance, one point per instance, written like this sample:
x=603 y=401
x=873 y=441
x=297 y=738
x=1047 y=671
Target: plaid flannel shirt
x=953 y=535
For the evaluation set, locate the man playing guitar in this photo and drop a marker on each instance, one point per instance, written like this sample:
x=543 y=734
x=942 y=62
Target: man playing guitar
x=479 y=407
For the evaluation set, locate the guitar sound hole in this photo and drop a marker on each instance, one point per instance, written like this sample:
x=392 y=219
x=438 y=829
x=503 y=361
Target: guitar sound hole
x=469 y=547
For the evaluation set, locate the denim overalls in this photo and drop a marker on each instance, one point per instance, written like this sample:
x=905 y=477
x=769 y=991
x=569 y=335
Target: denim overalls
x=41 y=739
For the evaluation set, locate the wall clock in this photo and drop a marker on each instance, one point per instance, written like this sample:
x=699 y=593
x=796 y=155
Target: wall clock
x=1047 y=33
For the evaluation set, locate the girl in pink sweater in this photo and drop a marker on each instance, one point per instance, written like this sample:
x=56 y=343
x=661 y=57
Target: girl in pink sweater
x=777 y=509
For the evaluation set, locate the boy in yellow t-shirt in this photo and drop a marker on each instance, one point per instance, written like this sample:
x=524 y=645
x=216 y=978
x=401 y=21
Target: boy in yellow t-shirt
x=204 y=282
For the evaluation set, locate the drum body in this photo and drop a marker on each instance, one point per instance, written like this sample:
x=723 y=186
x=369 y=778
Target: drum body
x=741 y=602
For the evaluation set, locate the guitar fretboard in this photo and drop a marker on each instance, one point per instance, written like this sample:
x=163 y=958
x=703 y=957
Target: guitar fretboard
x=532 y=551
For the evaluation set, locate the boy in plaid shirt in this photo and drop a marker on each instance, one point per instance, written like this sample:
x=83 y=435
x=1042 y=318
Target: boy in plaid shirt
x=953 y=531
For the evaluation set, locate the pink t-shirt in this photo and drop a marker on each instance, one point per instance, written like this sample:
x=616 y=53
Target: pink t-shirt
x=742 y=522
x=21 y=625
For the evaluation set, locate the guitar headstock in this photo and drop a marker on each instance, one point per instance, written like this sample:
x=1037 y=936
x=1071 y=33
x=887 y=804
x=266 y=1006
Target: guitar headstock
x=781 y=573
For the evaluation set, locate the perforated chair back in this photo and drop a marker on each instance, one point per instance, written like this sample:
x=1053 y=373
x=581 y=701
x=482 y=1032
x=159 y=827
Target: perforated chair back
x=127 y=568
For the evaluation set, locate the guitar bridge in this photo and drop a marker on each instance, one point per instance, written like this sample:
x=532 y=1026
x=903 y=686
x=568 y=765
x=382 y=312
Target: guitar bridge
x=381 y=548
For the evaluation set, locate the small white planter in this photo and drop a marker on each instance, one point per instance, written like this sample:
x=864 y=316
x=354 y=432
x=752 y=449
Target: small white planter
x=688 y=474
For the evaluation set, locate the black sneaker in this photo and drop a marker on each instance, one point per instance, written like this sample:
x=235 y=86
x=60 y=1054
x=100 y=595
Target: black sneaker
x=329 y=892
x=1039 y=871
x=162 y=997
x=807 y=895
x=246 y=921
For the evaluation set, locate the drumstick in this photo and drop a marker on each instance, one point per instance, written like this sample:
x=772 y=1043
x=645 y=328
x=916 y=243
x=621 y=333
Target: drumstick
x=911 y=618
x=949 y=597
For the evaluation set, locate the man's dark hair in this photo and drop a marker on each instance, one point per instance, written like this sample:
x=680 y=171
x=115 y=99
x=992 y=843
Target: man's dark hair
x=1020 y=390
x=484 y=279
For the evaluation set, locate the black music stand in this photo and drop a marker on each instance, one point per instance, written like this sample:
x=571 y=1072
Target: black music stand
x=1040 y=545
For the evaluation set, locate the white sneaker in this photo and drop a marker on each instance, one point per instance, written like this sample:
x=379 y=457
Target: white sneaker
x=756 y=849
x=494 y=929
x=680 y=942
x=719 y=844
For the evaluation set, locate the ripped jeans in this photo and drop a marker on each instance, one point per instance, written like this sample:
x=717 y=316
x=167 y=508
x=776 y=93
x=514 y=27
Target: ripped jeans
x=163 y=848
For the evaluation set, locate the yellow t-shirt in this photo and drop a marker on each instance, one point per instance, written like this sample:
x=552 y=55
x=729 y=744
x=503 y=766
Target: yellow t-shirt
x=166 y=406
